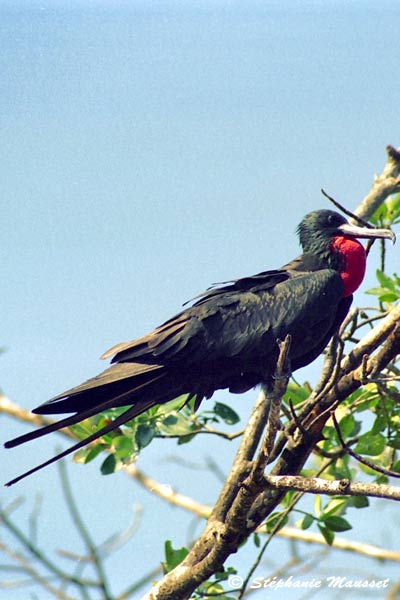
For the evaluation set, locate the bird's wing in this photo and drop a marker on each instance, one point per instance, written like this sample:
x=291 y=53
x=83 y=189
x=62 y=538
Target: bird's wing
x=229 y=322
x=264 y=280
x=166 y=334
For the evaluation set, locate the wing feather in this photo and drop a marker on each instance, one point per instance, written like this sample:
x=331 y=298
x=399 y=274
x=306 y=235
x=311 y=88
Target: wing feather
x=234 y=323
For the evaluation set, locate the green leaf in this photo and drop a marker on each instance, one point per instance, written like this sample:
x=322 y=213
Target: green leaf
x=379 y=424
x=328 y=534
x=109 y=465
x=336 y=523
x=144 y=434
x=185 y=439
x=381 y=478
x=176 y=424
x=359 y=501
x=83 y=429
x=317 y=505
x=173 y=556
x=389 y=297
x=256 y=539
x=273 y=520
x=347 y=425
x=80 y=456
x=306 y=521
x=376 y=291
x=93 y=452
x=341 y=469
x=287 y=498
x=380 y=215
x=396 y=466
x=224 y=575
x=226 y=413
x=387 y=213
x=171 y=406
x=389 y=290
x=212 y=589
x=395 y=442
x=296 y=393
x=385 y=281
x=107 y=437
x=369 y=470
x=371 y=444
x=123 y=447
x=335 y=506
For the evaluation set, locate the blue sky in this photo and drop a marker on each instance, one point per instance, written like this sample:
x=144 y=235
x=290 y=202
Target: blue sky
x=148 y=150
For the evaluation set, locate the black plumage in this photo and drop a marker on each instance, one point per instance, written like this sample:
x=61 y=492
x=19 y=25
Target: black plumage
x=228 y=337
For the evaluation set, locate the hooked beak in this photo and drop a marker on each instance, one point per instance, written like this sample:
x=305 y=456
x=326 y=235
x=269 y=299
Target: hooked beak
x=364 y=232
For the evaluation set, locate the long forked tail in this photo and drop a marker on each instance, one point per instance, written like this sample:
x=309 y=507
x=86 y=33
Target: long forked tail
x=140 y=397
x=113 y=400
x=132 y=412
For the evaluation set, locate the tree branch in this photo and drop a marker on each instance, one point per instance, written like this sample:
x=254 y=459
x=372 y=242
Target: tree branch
x=84 y=533
x=33 y=574
x=167 y=493
x=309 y=537
x=385 y=184
x=341 y=487
x=275 y=399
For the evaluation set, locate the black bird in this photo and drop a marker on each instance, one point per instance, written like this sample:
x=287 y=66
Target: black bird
x=228 y=337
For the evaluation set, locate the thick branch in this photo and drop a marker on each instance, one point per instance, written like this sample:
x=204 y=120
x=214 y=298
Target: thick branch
x=275 y=400
x=341 y=487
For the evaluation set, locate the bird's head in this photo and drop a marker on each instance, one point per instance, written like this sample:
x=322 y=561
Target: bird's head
x=319 y=228
x=327 y=235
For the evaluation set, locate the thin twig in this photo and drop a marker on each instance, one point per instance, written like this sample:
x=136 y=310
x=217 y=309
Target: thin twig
x=346 y=211
x=135 y=587
x=360 y=458
x=37 y=553
x=32 y=574
x=206 y=429
x=83 y=531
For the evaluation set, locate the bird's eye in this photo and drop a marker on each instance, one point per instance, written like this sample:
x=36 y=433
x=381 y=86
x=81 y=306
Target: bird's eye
x=331 y=220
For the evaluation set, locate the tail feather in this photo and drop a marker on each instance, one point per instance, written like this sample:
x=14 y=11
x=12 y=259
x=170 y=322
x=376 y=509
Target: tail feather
x=116 y=381
x=132 y=412
x=109 y=395
x=154 y=388
x=37 y=433
x=139 y=406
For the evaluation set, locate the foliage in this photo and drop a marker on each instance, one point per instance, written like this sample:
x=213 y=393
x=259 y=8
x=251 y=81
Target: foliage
x=175 y=419
x=388 y=213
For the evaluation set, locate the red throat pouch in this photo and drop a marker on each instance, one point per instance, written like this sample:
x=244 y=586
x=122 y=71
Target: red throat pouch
x=355 y=261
